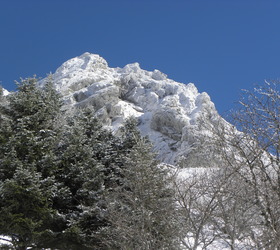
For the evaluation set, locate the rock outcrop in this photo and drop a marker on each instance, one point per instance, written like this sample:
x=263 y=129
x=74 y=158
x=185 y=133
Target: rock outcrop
x=168 y=111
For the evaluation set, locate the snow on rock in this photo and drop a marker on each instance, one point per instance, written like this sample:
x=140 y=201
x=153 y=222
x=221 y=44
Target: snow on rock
x=5 y=92
x=81 y=72
x=167 y=110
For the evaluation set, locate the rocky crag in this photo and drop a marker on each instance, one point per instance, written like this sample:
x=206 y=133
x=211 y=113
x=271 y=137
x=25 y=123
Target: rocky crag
x=168 y=112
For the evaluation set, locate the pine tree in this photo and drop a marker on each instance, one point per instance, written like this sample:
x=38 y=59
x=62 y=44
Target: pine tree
x=81 y=173
x=25 y=208
x=31 y=113
x=63 y=179
x=141 y=210
x=28 y=140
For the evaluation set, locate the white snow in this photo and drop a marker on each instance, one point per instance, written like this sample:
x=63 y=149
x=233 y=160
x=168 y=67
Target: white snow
x=167 y=110
x=4 y=240
x=5 y=92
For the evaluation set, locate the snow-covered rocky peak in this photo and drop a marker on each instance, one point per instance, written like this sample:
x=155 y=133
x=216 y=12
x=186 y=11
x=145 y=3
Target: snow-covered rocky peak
x=5 y=92
x=74 y=73
x=167 y=111
x=86 y=62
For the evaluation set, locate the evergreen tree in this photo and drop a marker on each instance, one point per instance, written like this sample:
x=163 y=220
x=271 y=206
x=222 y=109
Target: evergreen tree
x=66 y=182
x=28 y=139
x=30 y=135
x=25 y=208
x=81 y=173
x=141 y=210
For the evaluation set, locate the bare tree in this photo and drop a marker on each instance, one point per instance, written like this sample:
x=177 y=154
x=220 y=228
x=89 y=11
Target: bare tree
x=197 y=204
x=239 y=203
x=251 y=155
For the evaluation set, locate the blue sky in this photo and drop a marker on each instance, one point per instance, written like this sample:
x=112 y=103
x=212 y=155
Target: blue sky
x=222 y=46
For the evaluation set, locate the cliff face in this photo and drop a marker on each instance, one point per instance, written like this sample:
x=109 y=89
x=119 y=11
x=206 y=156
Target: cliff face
x=168 y=111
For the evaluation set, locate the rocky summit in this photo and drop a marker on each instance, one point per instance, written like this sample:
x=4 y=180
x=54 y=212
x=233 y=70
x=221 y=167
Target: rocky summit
x=168 y=112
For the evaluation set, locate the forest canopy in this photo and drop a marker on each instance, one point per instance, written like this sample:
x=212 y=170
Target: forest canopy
x=68 y=182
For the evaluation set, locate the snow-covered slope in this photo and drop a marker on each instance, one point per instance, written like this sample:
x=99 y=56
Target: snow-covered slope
x=5 y=92
x=167 y=110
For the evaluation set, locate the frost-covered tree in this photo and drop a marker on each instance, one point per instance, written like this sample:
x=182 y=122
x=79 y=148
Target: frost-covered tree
x=64 y=178
x=1 y=93
x=197 y=203
x=259 y=120
x=81 y=173
x=239 y=204
x=25 y=208
x=30 y=137
x=251 y=158
x=27 y=145
x=141 y=209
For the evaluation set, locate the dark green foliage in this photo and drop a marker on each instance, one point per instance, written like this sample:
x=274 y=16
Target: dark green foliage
x=82 y=175
x=29 y=134
x=63 y=178
x=25 y=208
x=28 y=139
x=141 y=209
x=34 y=107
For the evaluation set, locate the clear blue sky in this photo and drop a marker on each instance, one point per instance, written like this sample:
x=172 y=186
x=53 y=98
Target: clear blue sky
x=220 y=45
